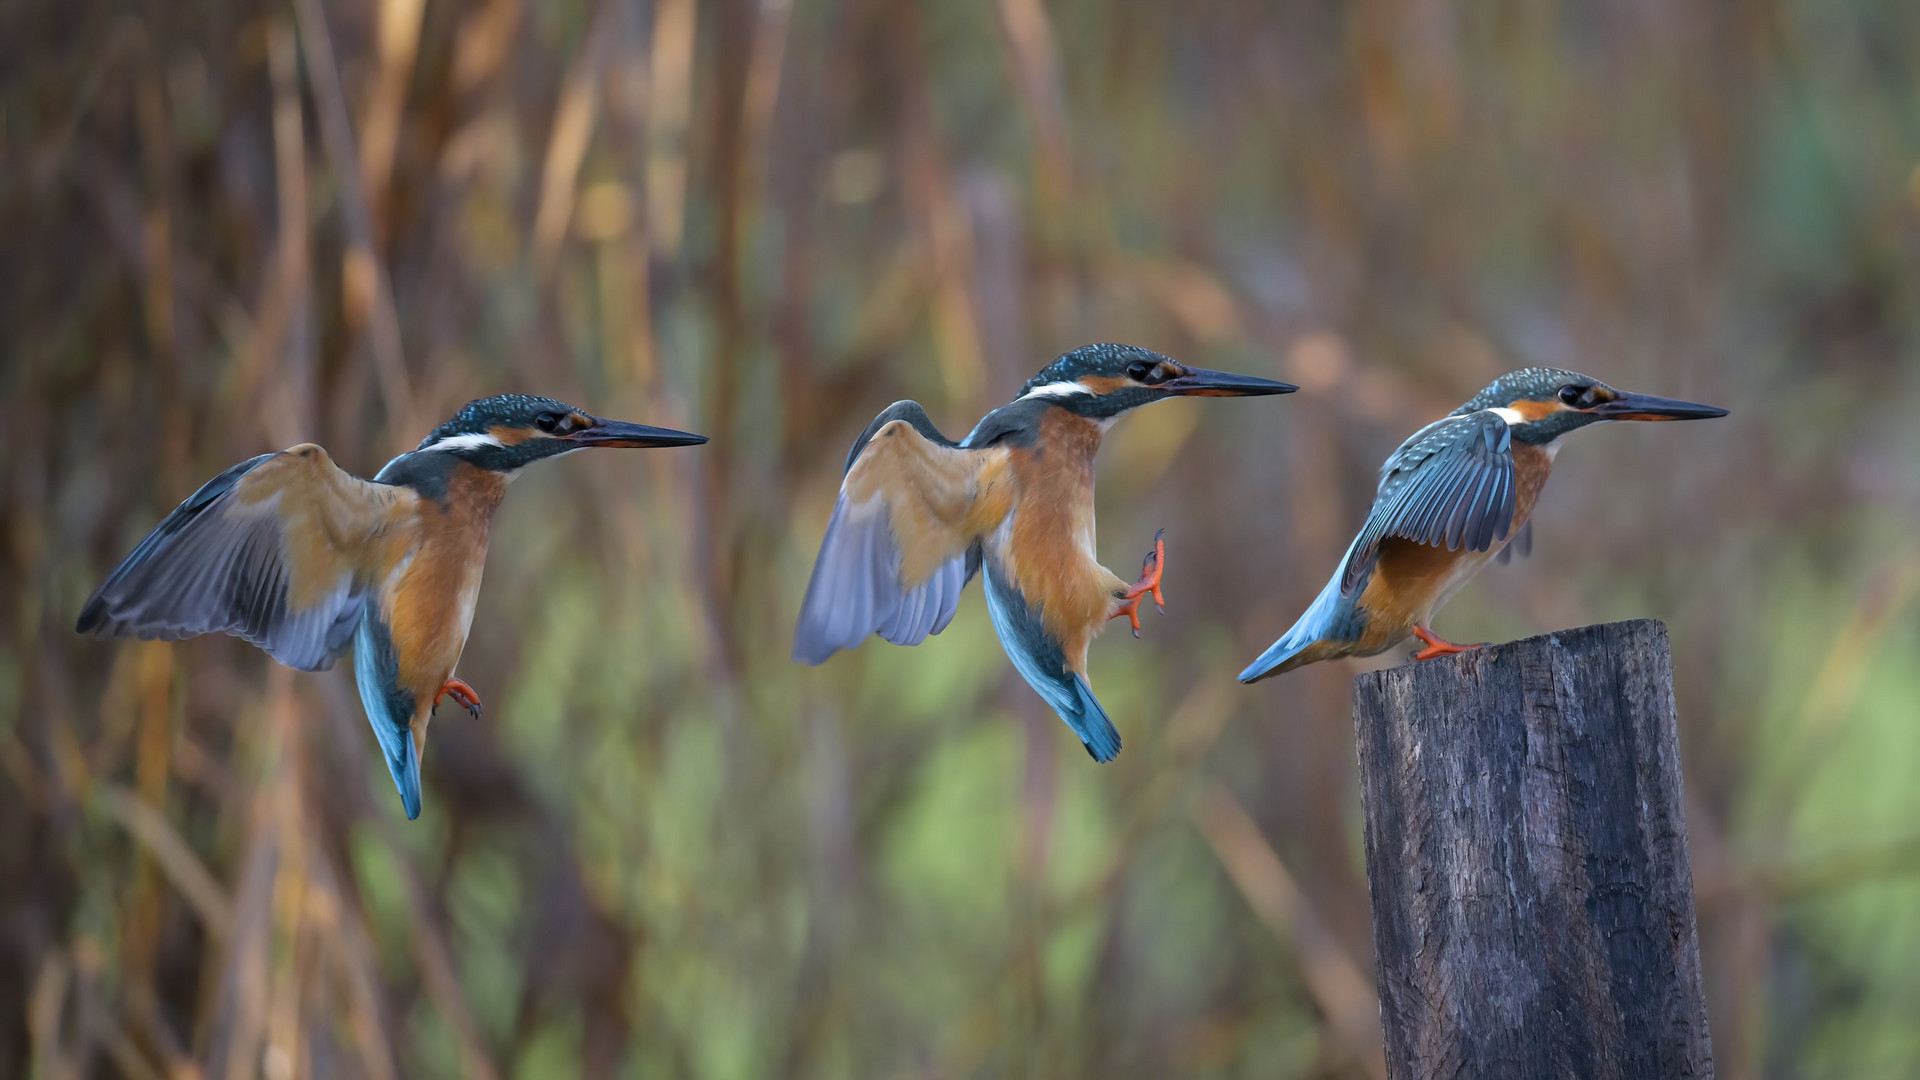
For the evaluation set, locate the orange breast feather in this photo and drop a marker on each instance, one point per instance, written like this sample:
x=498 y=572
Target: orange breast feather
x=430 y=601
x=1051 y=552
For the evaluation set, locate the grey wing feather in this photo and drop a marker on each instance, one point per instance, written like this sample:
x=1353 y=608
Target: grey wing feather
x=1521 y=545
x=1452 y=485
x=855 y=589
x=204 y=570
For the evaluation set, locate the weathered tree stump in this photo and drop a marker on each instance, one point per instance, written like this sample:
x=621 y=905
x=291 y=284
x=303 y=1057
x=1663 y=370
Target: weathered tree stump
x=1527 y=855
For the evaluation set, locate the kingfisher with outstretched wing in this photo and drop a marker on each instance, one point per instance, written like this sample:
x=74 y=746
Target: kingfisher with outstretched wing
x=919 y=514
x=296 y=556
x=1460 y=488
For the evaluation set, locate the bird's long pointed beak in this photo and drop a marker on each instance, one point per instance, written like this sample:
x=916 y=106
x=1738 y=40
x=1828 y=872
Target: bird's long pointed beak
x=1200 y=382
x=1648 y=407
x=621 y=433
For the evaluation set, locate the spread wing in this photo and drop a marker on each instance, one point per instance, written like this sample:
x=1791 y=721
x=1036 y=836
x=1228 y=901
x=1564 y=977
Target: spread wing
x=1452 y=484
x=276 y=550
x=903 y=540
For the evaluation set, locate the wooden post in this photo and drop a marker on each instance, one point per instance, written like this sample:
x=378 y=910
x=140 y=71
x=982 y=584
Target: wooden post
x=1527 y=855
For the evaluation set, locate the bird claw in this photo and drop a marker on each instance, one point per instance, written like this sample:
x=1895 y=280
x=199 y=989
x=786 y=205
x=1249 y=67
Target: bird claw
x=1149 y=584
x=465 y=695
x=1151 y=567
x=1439 y=646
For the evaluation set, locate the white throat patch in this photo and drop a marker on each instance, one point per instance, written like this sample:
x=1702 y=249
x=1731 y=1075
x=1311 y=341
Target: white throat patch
x=1511 y=416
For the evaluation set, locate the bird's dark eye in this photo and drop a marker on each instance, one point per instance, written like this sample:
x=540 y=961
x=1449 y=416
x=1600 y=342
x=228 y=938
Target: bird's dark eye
x=1141 y=371
x=1578 y=397
x=550 y=422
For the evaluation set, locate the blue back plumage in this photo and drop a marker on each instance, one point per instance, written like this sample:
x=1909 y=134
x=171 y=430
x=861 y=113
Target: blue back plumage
x=1041 y=662
x=376 y=671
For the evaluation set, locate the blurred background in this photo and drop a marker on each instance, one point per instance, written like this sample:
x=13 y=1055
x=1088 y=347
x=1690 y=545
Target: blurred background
x=667 y=850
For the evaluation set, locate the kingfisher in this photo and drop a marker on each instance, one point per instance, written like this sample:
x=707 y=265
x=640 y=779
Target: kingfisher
x=919 y=514
x=304 y=560
x=1452 y=492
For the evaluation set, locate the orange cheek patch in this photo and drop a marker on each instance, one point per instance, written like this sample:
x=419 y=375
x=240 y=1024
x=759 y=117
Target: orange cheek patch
x=1104 y=384
x=511 y=436
x=1537 y=410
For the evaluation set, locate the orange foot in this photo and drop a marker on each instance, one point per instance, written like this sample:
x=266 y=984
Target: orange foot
x=459 y=691
x=1439 y=646
x=1149 y=583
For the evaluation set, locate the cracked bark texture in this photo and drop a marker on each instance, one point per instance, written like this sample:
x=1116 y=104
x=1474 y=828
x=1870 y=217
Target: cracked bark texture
x=1527 y=854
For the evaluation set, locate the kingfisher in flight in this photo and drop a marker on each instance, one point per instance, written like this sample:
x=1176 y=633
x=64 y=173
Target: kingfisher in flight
x=1458 y=488
x=918 y=514
x=296 y=556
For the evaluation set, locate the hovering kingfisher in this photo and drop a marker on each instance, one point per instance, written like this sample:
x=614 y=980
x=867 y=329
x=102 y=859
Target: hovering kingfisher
x=918 y=514
x=1453 y=491
x=299 y=558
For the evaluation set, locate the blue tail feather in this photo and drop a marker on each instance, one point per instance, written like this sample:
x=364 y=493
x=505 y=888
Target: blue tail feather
x=1040 y=661
x=1097 y=732
x=404 y=765
x=376 y=671
x=1332 y=615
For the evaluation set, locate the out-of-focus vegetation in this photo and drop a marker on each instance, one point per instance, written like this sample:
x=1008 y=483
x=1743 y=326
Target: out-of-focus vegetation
x=669 y=851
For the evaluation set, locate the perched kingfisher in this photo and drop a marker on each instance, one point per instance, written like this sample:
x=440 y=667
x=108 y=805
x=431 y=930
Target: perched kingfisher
x=1458 y=487
x=299 y=558
x=918 y=514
